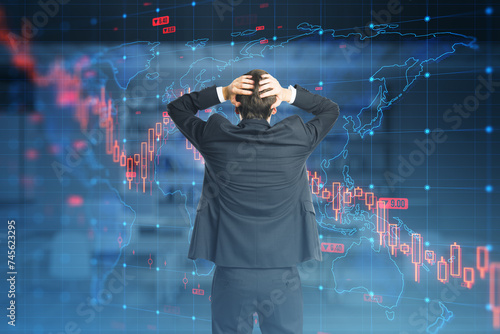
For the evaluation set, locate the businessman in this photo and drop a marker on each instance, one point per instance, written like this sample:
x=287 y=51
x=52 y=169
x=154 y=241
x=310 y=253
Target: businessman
x=255 y=219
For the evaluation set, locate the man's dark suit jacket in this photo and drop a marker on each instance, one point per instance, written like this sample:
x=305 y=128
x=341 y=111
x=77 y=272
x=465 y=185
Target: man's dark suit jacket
x=256 y=208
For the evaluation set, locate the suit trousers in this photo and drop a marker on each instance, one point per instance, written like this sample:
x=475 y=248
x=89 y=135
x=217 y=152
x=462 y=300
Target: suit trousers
x=275 y=294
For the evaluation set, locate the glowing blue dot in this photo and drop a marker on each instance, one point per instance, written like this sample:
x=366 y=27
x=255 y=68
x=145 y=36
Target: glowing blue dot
x=157 y=139
x=427 y=131
x=124 y=16
x=157 y=182
x=321 y=83
x=371 y=293
x=274 y=38
x=427 y=300
x=194 y=318
x=124 y=223
x=124 y=57
x=65 y=25
x=371 y=186
x=193 y=48
x=488 y=11
x=489 y=188
x=488 y=307
x=427 y=74
x=157 y=269
x=157 y=53
x=427 y=187
x=321 y=236
x=427 y=19
x=124 y=306
x=193 y=183
x=124 y=181
x=157 y=96
x=320 y=287
x=371 y=79
x=321 y=32
x=93 y=21
x=372 y=25
x=232 y=43
x=193 y=273
x=157 y=311
x=370 y=133
x=193 y=4
x=124 y=265
x=488 y=69
x=489 y=129
x=157 y=225
x=124 y=99
x=124 y=140
x=371 y=240
x=157 y=10
x=489 y=248
x=427 y=244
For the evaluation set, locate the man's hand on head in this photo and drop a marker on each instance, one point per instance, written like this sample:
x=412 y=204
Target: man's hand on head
x=240 y=86
x=282 y=94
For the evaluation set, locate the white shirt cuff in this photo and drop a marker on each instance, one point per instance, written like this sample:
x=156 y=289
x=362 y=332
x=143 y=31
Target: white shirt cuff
x=220 y=94
x=294 y=93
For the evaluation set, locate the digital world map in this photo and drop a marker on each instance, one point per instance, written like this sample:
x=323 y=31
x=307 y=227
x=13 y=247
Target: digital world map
x=353 y=219
x=129 y=182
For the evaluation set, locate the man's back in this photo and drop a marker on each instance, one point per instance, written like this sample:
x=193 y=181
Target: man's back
x=256 y=208
x=260 y=166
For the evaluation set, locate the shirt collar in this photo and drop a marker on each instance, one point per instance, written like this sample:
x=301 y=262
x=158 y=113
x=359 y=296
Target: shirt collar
x=259 y=121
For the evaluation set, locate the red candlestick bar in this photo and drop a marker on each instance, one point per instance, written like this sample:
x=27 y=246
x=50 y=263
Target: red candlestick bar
x=482 y=260
x=495 y=293
x=456 y=260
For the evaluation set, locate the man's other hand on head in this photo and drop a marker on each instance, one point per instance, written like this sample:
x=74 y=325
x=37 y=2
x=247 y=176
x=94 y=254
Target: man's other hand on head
x=273 y=88
x=242 y=85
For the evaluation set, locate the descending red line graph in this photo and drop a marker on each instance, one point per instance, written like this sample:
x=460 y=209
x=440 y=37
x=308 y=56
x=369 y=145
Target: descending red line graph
x=449 y=266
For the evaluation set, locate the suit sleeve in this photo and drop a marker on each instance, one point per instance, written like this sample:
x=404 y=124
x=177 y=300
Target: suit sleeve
x=182 y=111
x=325 y=110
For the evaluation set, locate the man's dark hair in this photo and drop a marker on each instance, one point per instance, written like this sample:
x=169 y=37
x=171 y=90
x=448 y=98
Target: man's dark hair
x=252 y=106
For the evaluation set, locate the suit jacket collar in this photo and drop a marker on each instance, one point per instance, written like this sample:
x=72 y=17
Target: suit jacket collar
x=254 y=121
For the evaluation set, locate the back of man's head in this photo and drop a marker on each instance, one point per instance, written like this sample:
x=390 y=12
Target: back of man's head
x=252 y=106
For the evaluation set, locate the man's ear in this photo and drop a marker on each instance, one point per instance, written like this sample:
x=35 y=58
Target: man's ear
x=274 y=111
